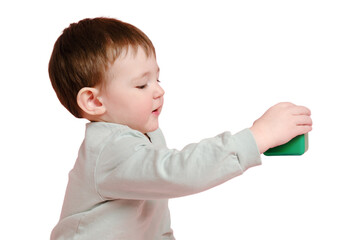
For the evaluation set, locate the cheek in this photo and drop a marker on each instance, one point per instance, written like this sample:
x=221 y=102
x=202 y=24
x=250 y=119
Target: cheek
x=143 y=109
x=142 y=103
x=138 y=107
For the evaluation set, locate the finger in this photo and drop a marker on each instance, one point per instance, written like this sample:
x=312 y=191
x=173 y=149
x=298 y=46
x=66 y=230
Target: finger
x=301 y=110
x=303 y=120
x=285 y=105
x=302 y=129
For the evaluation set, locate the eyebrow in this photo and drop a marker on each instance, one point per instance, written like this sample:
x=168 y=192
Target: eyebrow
x=144 y=75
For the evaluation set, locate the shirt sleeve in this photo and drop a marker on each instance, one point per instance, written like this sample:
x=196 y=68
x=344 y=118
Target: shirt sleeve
x=131 y=167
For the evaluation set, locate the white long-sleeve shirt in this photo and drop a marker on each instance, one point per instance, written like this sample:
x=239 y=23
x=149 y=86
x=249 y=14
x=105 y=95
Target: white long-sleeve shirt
x=122 y=180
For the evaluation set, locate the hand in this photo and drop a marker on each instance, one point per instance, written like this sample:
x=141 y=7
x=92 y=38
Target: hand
x=281 y=123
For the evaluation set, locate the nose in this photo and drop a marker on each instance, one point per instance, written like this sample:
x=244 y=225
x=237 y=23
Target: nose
x=159 y=91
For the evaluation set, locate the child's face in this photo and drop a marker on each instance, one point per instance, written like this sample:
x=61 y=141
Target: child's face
x=132 y=95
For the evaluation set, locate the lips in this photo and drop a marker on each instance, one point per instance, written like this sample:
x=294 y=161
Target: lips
x=157 y=111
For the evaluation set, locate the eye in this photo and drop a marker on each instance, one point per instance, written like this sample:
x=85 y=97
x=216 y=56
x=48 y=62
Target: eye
x=158 y=81
x=142 y=86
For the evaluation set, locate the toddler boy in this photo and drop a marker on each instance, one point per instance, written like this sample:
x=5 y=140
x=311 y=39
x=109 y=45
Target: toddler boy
x=106 y=71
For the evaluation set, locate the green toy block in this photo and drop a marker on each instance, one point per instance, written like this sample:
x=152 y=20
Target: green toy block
x=296 y=146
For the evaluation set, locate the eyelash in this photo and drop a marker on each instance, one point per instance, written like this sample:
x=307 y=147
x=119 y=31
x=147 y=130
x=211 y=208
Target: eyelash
x=142 y=86
x=145 y=85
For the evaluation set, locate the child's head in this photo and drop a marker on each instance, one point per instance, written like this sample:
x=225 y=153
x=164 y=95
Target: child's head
x=84 y=70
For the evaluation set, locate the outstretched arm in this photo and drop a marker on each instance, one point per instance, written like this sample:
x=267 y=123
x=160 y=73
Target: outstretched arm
x=142 y=171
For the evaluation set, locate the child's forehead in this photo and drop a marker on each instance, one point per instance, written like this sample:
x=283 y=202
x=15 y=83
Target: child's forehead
x=131 y=51
x=132 y=63
x=136 y=55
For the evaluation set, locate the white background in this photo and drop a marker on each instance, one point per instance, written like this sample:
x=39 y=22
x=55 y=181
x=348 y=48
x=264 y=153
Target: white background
x=223 y=63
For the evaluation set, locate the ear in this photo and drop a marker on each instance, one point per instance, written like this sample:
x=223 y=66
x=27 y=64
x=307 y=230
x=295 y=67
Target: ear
x=89 y=101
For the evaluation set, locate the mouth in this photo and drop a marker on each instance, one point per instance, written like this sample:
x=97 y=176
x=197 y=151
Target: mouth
x=157 y=110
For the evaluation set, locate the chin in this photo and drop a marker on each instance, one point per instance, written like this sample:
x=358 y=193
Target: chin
x=152 y=128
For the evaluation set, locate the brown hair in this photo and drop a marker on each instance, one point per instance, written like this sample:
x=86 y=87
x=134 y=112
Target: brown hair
x=85 y=50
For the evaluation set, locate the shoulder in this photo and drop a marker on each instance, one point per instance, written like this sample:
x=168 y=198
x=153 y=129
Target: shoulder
x=102 y=133
x=104 y=128
x=101 y=129
x=114 y=135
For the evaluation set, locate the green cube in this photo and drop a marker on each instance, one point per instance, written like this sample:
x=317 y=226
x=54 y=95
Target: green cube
x=296 y=146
